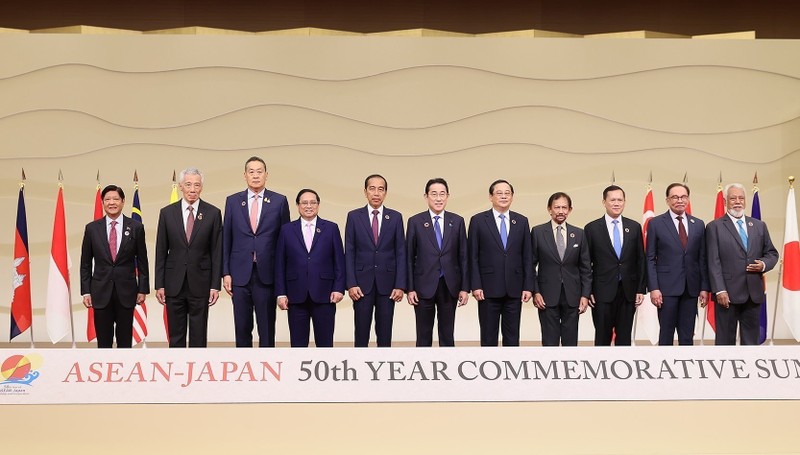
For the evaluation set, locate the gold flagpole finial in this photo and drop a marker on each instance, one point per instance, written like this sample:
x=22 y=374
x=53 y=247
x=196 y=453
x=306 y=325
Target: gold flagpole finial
x=98 y=179
x=755 y=178
x=651 y=177
x=685 y=178
x=719 y=182
x=613 y=177
x=135 y=176
x=173 y=177
x=22 y=180
x=60 y=179
x=791 y=181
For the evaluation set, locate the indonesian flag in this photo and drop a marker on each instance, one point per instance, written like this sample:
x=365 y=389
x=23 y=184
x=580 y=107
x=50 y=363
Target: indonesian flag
x=719 y=210
x=59 y=306
x=21 y=315
x=140 y=311
x=790 y=284
x=647 y=320
x=98 y=213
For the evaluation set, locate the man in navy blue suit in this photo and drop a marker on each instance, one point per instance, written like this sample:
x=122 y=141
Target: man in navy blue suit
x=500 y=266
x=309 y=273
x=436 y=244
x=375 y=259
x=253 y=219
x=676 y=267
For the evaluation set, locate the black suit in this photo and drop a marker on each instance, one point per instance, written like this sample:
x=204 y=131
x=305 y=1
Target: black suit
x=113 y=284
x=436 y=274
x=502 y=274
x=615 y=281
x=188 y=270
x=561 y=282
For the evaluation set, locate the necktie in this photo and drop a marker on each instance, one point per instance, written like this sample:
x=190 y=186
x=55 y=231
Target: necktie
x=375 y=225
x=561 y=245
x=617 y=239
x=438 y=231
x=112 y=240
x=503 y=231
x=308 y=235
x=254 y=213
x=682 y=232
x=189 y=223
x=742 y=234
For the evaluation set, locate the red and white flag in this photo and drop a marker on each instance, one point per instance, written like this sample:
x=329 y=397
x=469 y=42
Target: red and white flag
x=719 y=210
x=790 y=284
x=59 y=305
x=647 y=319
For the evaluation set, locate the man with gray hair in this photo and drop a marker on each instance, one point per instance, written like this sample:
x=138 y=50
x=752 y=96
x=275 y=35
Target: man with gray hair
x=739 y=253
x=188 y=261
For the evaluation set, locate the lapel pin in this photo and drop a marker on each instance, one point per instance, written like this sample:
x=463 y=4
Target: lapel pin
x=513 y=221
x=691 y=220
x=627 y=230
x=267 y=201
x=575 y=246
x=427 y=225
x=387 y=217
x=318 y=231
x=244 y=204
x=750 y=224
x=450 y=224
x=572 y=235
x=199 y=216
x=127 y=232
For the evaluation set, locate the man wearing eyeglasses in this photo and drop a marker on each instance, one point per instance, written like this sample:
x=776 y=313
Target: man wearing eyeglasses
x=309 y=273
x=436 y=245
x=677 y=276
x=740 y=252
x=253 y=219
x=500 y=266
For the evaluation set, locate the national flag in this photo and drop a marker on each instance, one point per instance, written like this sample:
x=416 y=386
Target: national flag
x=98 y=213
x=755 y=212
x=140 y=311
x=719 y=210
x=648 y=313
x=21 y=314
x=59 y=305
x=173 y=197
x=790 y=282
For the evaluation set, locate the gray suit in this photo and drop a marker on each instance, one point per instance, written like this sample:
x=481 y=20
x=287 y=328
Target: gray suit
x=727 y=264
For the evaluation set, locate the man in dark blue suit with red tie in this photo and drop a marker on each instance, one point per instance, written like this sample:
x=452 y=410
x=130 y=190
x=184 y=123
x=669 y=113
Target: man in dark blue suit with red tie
x=309 y=273
x=500 y=266
x=375 y=259
x=436 y=245
x=253 y=219
x=676 y=267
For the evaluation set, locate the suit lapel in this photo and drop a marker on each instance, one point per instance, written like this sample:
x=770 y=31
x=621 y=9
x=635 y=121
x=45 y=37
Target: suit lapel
x=726 y=221
x=492 y=226
x=103 y=234
x=551 y=242
x=447 y=232
x=299 y=232
x=367 y=224
x=244 y=211
x=266 y=204
x=669 y=225
x=430 y=232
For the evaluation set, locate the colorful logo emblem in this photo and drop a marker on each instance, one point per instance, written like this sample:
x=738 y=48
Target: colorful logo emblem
x=20 y=369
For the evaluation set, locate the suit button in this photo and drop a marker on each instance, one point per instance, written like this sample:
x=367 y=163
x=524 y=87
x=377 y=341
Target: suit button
x=376 y=266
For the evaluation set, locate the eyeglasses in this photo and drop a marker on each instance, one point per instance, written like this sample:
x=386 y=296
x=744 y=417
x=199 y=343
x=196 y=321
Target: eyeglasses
x=675 y=198
x=308 y=203
x=441 y=195
x=503 y=193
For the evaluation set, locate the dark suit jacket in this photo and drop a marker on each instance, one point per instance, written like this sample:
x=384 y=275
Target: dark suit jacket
x=575 y=271
x=670 y=269
x=607 y=269
x=500 y=273
x=365 y=263
x=425 y=259
x=100 y=280
x=300 y=273
x=199 y=260
x=727 y=259
x=240 y=242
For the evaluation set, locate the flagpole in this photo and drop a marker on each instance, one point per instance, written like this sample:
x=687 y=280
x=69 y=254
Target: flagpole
x=136 y=191
x=705 y=319
x=69 y=298
x=22 y=188
x=778 y=284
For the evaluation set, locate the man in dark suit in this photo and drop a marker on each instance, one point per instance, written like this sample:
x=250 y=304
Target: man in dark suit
x=618 y=270
x=188 y=261
x=375 y=260
x=112 y=248
x=436 y=245
x=253 y=219
x=500 y=266
x=740 y=252
x=564 y=274
x=309 y=273
x=676 y=267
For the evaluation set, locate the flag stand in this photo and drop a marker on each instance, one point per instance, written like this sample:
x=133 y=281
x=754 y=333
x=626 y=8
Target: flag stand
x=705 y=321
x=775 y=309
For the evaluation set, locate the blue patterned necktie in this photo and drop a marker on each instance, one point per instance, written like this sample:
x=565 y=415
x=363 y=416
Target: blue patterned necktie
x=503 y=231
x=617 y=239
x=437 y=230
x=742 y=234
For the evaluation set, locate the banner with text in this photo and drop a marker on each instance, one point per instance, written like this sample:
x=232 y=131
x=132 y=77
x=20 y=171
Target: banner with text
x=222 y=375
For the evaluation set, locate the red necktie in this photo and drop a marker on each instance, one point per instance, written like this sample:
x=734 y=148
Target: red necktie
x=682 y=232
x=112 y=240
x=189 y=223
x=254 y=213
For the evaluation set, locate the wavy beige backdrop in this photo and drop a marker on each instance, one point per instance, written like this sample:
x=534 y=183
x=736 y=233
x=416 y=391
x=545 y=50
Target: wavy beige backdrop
x=548 y=114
